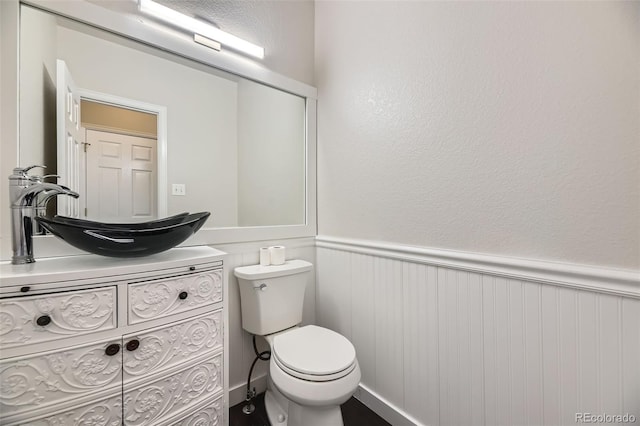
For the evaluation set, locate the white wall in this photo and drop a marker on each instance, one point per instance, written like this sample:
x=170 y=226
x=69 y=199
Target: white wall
x=509 y=128
x=271 y=156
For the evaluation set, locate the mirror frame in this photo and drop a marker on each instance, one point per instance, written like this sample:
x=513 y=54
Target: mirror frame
x=165 y=39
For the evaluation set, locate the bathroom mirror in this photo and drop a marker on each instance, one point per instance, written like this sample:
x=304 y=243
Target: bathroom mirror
x=220 y=142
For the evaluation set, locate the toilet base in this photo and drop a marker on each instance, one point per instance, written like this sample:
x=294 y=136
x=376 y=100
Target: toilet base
x=276 y=413
x=284 y=412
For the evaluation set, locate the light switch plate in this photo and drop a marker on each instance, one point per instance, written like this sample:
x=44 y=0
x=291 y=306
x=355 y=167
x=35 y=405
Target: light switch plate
x=178 y=189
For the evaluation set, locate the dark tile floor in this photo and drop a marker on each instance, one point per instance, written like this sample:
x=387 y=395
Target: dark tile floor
x=354 y=413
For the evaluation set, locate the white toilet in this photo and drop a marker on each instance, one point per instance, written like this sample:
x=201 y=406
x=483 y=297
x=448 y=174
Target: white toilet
x=312 y=369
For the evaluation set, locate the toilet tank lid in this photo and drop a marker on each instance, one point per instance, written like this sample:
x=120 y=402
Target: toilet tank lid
x=259 y=272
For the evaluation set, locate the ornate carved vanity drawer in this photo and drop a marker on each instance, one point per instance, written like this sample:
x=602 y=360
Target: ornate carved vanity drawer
x=105 y=412
x=108 y=412
x=35 y=319
x=156 y=402
x=211 y=414
x=156 y=299
x=171 y=345
x=45 y=381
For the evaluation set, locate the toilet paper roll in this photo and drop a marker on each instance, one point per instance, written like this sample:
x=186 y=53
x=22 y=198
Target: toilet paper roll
x=277 y=254
x=265 y=256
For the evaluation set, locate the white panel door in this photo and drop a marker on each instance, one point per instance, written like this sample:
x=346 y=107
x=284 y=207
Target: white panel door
x=70 y=138
x=121 y=177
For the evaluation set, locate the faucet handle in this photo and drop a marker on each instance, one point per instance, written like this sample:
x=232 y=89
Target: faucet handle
x=20 y=175
x=23 y=172
x=42 y=178
x=26 y=169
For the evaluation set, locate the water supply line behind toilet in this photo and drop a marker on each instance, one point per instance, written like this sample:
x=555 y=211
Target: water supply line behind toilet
x=251 y=393
x=274 y=255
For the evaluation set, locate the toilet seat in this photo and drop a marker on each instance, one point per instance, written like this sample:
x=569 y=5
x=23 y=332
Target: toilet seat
x=314 y=354
x=313 y=377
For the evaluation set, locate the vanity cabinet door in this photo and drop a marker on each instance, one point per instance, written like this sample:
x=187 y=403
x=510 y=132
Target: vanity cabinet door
x=171 y=345
x=174 y=395
x=159 y=298
x=44 y=382
x=35 y=319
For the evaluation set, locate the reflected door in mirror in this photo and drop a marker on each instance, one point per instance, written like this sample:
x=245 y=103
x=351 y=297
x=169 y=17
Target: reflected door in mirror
x=70 y=137
x=121 y=177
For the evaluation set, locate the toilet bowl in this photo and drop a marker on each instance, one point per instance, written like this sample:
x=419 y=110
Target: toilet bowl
x=312 y=370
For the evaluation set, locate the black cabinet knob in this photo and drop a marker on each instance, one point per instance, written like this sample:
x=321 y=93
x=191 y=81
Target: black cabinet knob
x=183 y=295
x=132 y=345
x=25 y=289
x=43 y=320
x=112 y=349
x=192 y=268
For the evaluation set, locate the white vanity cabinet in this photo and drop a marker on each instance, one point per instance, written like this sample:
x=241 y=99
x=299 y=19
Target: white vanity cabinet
x=87 y=340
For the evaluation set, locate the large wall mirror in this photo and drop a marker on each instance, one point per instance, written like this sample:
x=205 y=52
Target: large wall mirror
x=143 y=133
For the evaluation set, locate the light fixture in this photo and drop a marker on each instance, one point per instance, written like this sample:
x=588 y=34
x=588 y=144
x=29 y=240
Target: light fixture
x=200 y=28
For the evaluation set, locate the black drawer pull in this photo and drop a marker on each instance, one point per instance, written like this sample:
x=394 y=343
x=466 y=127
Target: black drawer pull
x=25 y=289
x=43 y=320
x=112 y=349
x=192 y=268
x=183 y=295
x=132 y=345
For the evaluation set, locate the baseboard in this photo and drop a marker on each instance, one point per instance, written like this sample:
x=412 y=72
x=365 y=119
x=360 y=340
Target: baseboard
x=238 y=393
x=375 y=402
x=384 y=408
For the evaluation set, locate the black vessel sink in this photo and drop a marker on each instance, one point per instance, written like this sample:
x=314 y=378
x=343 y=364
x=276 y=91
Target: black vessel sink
x=125 y=239
x=167 y=221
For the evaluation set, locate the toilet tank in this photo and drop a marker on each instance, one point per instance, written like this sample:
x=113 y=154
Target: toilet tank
x=272 y=297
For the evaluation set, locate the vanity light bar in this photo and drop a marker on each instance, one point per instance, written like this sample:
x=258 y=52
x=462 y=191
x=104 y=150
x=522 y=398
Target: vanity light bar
x=212 y=44
x=198 y=27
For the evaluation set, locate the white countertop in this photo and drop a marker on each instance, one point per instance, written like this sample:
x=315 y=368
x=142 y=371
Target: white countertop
x=56 y=269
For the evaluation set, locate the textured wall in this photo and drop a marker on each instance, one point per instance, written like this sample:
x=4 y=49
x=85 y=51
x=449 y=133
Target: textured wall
x=507 y=128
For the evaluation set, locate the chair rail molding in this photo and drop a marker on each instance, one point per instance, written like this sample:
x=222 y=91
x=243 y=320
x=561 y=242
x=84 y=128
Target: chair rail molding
x=598 y=279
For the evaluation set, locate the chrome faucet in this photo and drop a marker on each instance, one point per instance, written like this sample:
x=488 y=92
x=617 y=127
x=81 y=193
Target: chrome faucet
x=28 y=195
x=41 y=203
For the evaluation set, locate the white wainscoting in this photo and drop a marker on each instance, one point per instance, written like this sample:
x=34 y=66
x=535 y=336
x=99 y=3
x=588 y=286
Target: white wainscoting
x=241 y=353
x=443 y=340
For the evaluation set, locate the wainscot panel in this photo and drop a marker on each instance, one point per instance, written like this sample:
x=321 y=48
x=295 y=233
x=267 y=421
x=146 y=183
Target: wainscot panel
x=450 y=338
